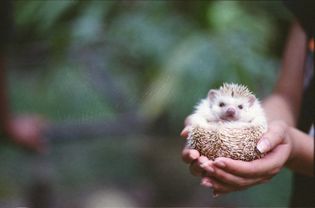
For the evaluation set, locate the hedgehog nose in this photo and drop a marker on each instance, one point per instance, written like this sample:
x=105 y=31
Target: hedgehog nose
x=230 y=112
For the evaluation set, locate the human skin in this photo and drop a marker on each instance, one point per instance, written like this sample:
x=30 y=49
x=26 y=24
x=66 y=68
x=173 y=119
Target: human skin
x=284 y=144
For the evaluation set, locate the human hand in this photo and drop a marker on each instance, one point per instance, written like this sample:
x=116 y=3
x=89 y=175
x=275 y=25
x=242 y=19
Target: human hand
x=226 y=175
x=26 y=131
x=193 y=158
x=198 y=164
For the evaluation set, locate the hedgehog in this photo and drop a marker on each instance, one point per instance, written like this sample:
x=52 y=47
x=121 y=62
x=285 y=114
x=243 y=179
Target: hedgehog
x=227 y=123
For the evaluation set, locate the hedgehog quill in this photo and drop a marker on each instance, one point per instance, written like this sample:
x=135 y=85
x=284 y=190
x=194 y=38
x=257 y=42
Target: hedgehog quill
x=227 y=123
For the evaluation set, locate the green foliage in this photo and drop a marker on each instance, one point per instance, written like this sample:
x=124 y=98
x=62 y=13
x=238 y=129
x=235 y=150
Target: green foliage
x=43 y=16
x=158 y=49
x=63 y=95
x=162 y=56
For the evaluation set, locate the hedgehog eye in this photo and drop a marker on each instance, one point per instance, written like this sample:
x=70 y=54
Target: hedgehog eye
x=221 y=104
x=240 y=106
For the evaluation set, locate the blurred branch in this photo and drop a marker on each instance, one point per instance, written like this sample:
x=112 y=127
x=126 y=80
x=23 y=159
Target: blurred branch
x=123 y=125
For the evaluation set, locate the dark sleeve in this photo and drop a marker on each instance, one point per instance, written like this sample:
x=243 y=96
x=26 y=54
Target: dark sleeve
x=304 y=11
x=6 y=23
x=303 y=192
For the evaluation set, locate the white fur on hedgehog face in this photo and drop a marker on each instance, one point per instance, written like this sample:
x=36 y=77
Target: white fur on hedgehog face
x=228 y=108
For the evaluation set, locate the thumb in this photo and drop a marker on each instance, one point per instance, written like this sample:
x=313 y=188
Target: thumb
x=185 y=131
x=264 y=145
x=273 y=137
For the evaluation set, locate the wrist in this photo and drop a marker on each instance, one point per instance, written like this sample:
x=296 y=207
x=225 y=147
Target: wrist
x=301 y=158
x=290 y=140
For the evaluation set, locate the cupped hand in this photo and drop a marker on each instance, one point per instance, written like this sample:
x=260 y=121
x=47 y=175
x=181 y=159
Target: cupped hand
x=226 y=175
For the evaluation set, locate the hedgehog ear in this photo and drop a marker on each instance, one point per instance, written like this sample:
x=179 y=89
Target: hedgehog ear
x=251 y=100
x=212 y=94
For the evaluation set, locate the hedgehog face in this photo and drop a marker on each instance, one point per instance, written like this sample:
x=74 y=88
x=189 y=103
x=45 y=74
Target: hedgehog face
x=231 y=108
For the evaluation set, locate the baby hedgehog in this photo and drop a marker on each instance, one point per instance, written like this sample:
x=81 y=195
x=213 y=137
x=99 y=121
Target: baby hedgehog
x=227 y=123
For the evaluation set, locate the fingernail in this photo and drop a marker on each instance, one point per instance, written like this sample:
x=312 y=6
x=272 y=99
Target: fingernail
x=209 y=169
x=203 y=160
x=206 y=166
x=203 y=165
x=183 y=133
x=220 y=164
x=263 y=145
x=193 y=156
x=206 y=183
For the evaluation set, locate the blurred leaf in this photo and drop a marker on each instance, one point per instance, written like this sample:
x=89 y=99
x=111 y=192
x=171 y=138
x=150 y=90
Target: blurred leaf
x=190 y=66
x=89 y=26
x=64 y=95
x=42 y=13
x=144 y=36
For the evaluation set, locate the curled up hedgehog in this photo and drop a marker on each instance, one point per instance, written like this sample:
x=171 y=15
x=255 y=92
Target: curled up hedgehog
x=228 y=123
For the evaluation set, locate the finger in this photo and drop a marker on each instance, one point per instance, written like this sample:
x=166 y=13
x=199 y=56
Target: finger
x=271 y=163
x=220 y=187
x=189 y=155
x=268 y=165
x=185 y=132
x=273 y=137
x=196 y=166
x=208 y=167
x=206 y=182
x=235 y=181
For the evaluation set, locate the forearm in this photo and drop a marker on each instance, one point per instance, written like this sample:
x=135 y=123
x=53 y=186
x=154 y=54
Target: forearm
x=284 y=103
x=302 y=157
x=278 y=108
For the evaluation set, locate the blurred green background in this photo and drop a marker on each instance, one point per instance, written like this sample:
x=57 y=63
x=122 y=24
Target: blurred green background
x=116 y=80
